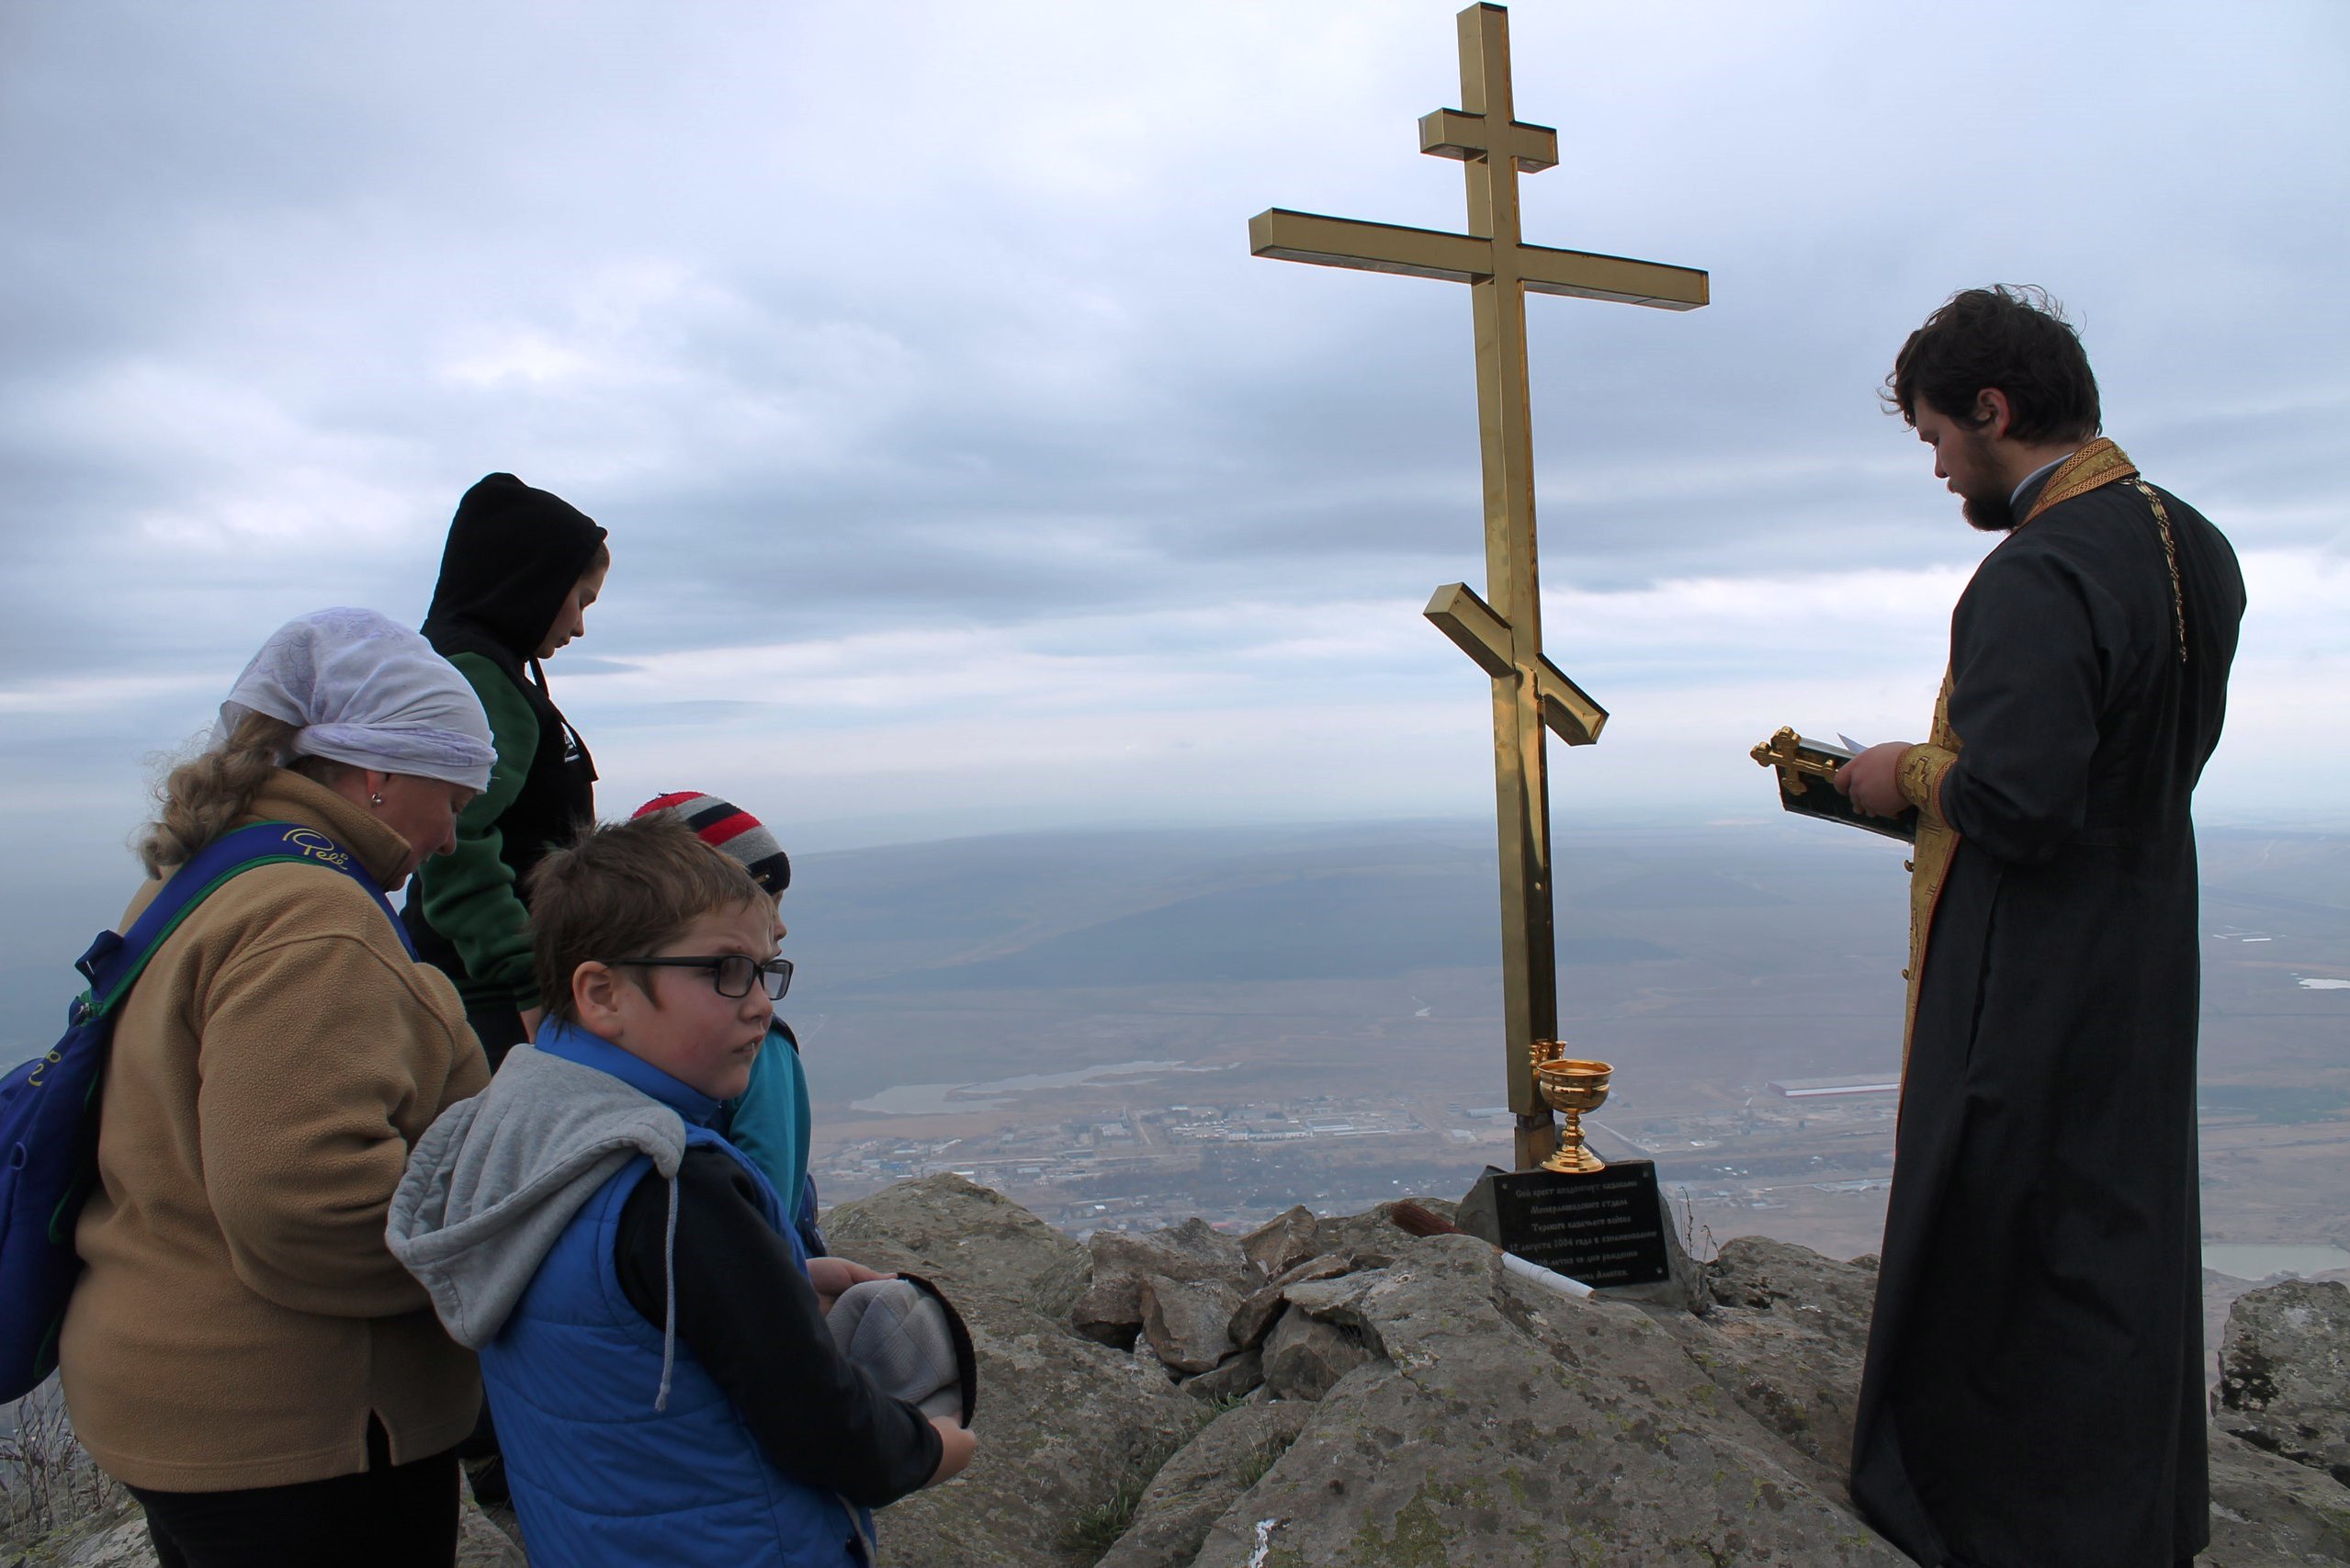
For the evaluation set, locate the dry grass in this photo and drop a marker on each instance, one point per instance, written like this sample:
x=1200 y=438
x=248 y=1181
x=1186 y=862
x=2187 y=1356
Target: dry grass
x=47 y=1478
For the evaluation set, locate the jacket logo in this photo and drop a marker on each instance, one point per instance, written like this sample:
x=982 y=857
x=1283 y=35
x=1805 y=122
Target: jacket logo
x=318 y=847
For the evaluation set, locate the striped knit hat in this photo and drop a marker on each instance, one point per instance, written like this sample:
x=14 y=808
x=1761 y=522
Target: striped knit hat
x=729 y=829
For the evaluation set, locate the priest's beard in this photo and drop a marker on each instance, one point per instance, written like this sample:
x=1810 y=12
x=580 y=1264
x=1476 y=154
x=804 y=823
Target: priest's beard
x=1992 y=514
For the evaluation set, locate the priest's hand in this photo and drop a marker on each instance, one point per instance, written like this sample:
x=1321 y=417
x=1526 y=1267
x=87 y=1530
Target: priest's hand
x=1872 y=779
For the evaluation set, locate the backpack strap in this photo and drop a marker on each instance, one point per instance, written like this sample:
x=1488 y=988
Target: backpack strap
x=112 y=973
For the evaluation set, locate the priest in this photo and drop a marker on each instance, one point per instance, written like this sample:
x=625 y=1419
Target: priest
x=2034 y=1385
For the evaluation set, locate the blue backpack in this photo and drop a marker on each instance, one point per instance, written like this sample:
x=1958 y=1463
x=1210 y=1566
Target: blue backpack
x=48 y=1107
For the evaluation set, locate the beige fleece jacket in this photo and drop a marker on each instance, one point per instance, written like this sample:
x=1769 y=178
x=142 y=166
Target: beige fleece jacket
x=241 y=1316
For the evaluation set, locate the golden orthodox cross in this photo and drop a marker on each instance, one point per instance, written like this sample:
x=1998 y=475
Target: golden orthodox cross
x=1505 y=637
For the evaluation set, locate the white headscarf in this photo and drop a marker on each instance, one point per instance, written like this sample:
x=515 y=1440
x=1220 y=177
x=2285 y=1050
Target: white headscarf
x=367 y=692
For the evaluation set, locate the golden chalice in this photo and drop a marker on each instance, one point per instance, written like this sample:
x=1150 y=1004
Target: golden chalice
x=1573 y=1086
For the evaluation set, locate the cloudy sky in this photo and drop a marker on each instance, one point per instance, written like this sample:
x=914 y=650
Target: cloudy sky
x=965 y=473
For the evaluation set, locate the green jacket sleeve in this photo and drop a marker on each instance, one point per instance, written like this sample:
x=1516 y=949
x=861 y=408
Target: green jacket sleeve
x=469 y=895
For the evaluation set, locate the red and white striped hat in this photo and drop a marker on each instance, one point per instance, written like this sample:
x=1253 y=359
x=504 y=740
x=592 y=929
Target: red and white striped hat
x=729 y=829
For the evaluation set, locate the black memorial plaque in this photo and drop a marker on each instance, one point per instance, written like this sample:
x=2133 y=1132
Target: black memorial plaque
x=1603 y=1228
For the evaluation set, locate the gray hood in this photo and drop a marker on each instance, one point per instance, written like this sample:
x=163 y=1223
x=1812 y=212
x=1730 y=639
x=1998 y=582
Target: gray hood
x=492 y=1184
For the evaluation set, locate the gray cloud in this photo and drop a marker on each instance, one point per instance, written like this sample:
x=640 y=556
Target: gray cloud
x=919 y=317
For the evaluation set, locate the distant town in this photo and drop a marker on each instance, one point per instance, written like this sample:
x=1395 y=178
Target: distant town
x=1820 y=1147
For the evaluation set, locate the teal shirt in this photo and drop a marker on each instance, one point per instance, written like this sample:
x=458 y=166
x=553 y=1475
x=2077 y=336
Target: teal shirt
x=770 y=1120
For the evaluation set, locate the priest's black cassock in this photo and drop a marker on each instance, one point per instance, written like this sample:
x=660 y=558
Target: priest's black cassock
x=2034 y=1387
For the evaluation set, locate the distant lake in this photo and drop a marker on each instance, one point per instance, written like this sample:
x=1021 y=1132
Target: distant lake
x=2260 y=1262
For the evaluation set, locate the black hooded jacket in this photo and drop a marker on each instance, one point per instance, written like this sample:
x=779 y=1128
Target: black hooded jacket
x=512 y=556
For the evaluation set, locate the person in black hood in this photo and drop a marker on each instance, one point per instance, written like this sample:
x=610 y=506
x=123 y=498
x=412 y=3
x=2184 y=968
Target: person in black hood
x=517 y=576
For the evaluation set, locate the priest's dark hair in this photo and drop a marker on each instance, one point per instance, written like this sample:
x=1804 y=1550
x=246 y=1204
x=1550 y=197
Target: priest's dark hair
x=2014 y=338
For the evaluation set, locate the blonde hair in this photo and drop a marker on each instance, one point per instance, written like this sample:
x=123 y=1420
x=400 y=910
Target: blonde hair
x=205 y=796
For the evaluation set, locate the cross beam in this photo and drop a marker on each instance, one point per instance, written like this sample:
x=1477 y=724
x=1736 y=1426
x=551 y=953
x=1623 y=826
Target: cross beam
x=1505 y=637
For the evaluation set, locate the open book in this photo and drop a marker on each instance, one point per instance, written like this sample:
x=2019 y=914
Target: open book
x=1806 y=771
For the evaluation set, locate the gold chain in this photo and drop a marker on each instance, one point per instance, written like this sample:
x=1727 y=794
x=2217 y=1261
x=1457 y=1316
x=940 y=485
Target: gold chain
x=2169 y=560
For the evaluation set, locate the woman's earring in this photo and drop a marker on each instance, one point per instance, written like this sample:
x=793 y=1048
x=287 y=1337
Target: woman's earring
x=376 y=800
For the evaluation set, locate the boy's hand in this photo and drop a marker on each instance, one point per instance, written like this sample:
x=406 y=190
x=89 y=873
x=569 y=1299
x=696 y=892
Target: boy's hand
x=833 y=1276
x=956 y=1446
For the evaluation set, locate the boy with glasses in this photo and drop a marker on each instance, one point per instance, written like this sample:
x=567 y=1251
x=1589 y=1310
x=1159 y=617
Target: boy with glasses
x=655 y=1350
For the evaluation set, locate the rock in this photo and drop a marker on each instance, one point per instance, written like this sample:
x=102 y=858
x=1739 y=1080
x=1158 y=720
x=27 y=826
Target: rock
x=1501 y=1425
x=117 y=1545
x=1110 y=1310
x=1063 y=1424
x=487 y=1540
x=1287 y=1239
x=974 y=1240
x=1371 y=1238
x=1185 y=1321
x=1304 y=1356
x=2285 y=1374
x=2267 y=1510
x=1201 y=1482
x=1241 y=1372
x=1255 y=1317
x=1764 y=1275
x=1786 y=1340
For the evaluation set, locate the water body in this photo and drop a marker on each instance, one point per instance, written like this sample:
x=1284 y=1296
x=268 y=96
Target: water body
x=945 y=1099
x=2260 y=1262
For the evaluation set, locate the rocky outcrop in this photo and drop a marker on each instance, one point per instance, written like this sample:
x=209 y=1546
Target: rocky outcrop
x=1498 y=1424
x=1785 y=1340
x=1066 y=1425
x=979 y=1242
x=1412 y=1404
x=2285 y=1374
x=1284 y=1241
x=1306 y=1356
x=1201 y=1483
x=1110 y=1311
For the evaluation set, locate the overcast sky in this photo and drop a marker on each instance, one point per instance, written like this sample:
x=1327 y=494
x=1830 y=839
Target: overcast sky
x=964 y=472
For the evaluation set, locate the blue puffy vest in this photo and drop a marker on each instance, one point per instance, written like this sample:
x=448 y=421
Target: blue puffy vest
x=600 y=1477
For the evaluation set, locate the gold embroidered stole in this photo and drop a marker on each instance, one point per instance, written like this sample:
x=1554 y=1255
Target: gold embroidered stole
x=2099 y=464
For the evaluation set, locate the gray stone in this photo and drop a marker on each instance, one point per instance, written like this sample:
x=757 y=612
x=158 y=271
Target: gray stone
x=1254 y=1319
x=1287 y=1239
x=1185 y=1321
x=2268 y=1511
x=2285 y=1374
x=973 y=1239
x=486 y=1538
x=1371 y=1238
x=123 y=1544
x=1201 y=1482
x=1500 y=1425
x=1241 y=1372
x=1786 y=1340
x=1306 y=1357
x=1327 y=1266
x=1110 y=1310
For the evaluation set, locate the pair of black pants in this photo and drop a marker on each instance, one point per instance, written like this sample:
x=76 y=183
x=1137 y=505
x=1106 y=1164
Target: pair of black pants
x=390 y=1515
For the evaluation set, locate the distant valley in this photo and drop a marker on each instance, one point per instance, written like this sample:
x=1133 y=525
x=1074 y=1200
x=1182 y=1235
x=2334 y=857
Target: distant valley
x=1121 y=1026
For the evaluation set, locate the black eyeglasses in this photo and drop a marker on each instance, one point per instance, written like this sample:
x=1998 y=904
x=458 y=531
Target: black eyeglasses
x=732 y=973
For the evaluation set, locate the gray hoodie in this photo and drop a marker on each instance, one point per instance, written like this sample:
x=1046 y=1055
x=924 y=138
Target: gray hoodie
x=490 y=1186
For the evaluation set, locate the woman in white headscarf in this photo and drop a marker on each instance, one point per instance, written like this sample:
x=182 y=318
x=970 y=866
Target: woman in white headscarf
x=242 y=1350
